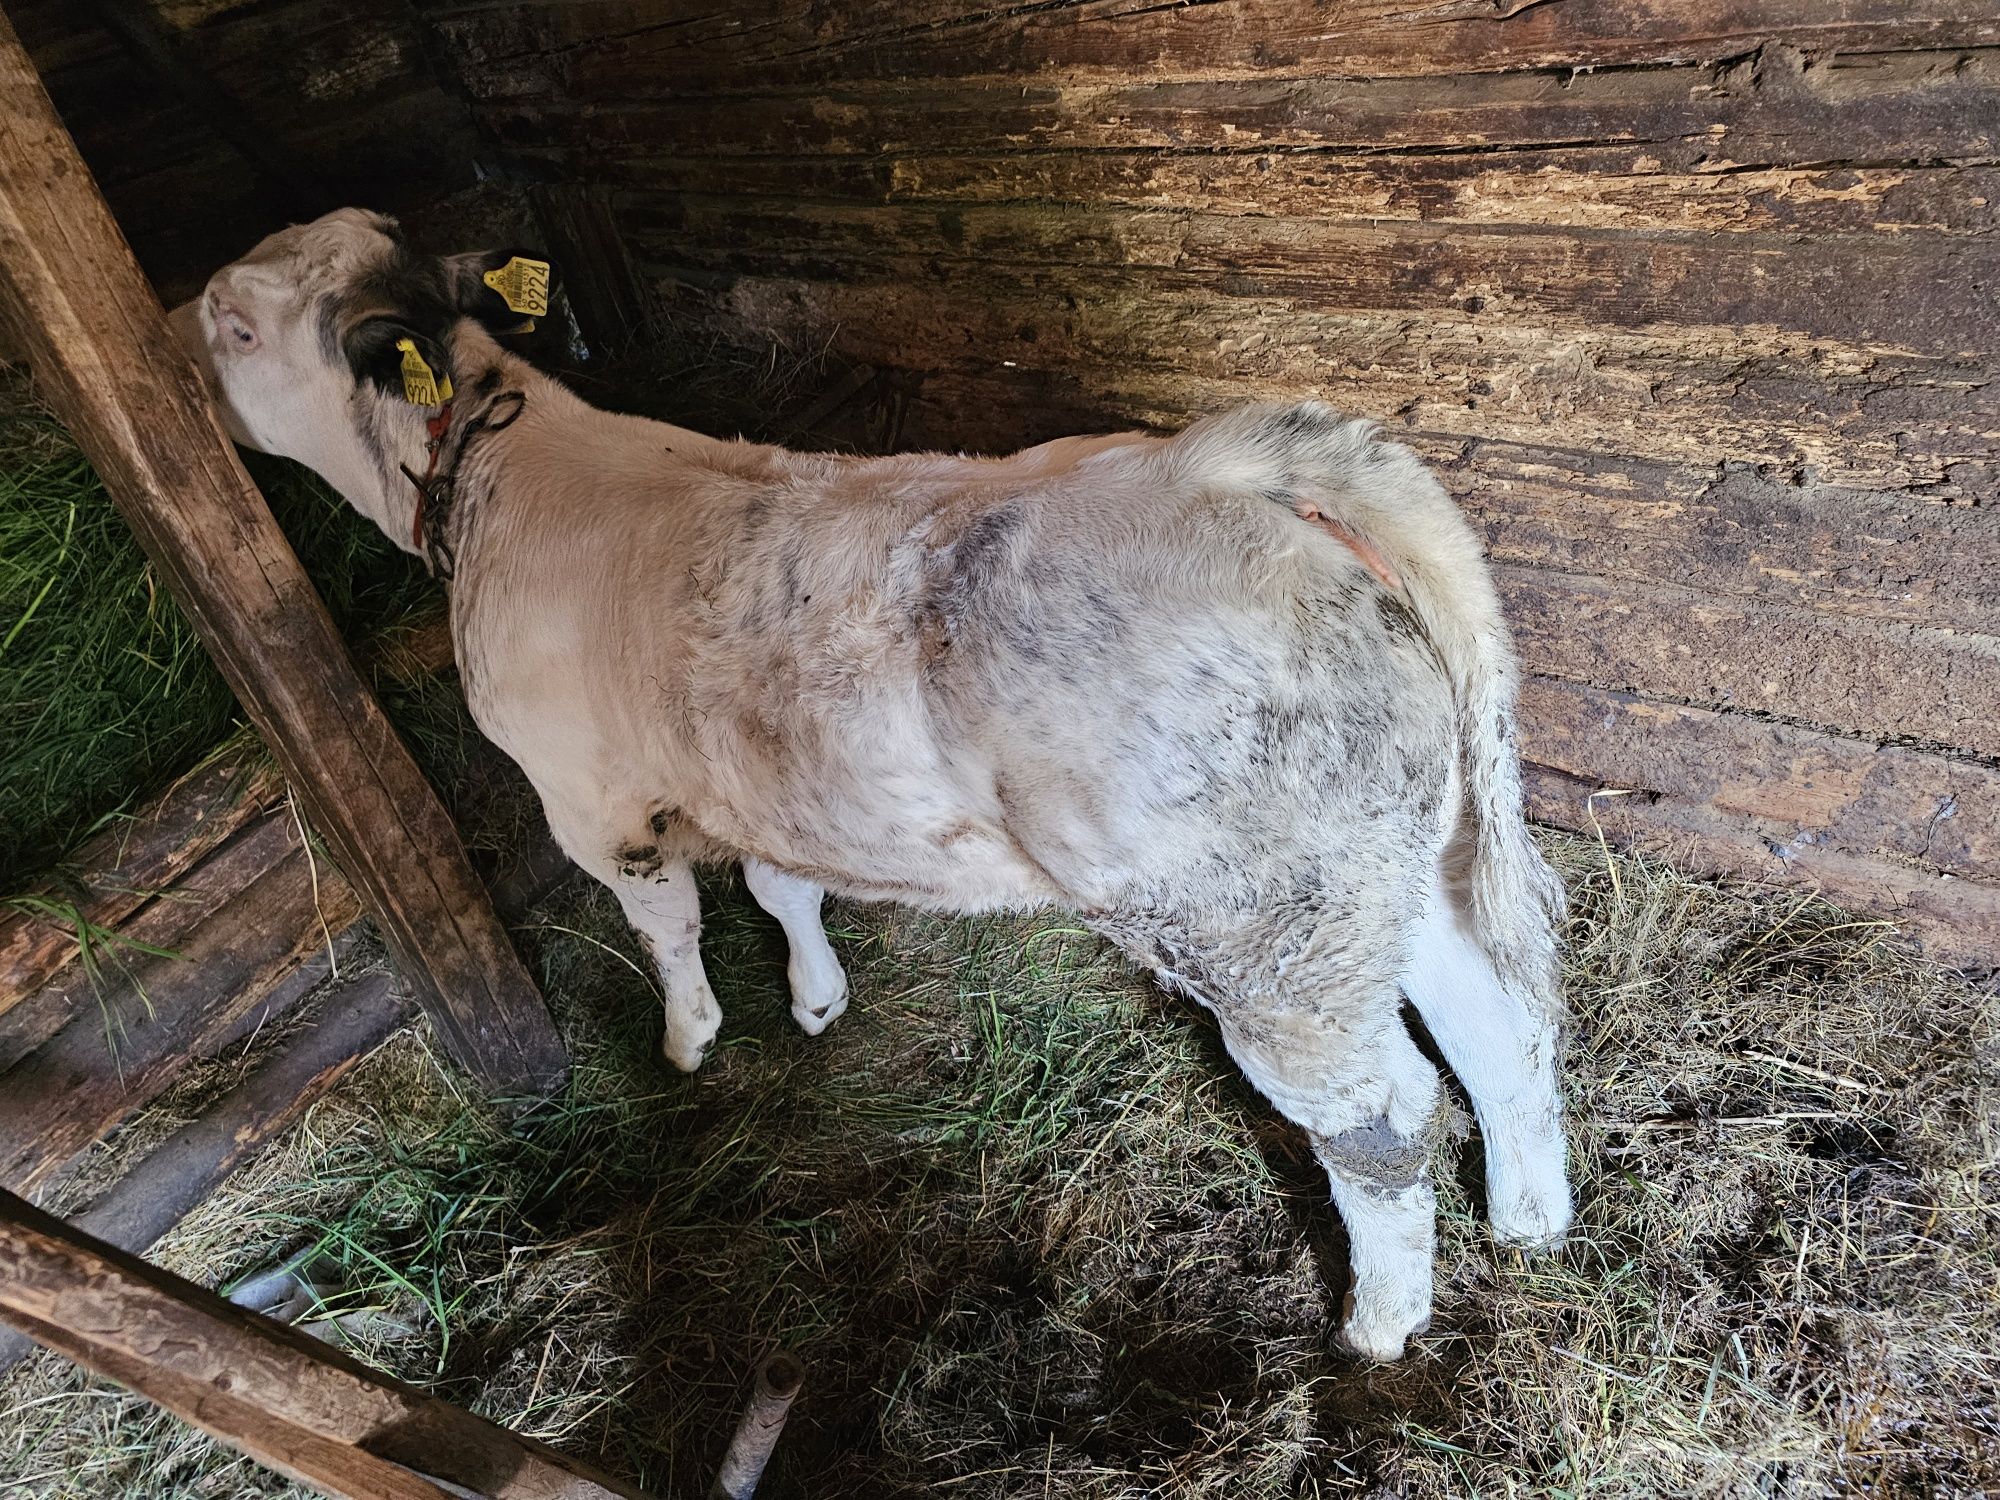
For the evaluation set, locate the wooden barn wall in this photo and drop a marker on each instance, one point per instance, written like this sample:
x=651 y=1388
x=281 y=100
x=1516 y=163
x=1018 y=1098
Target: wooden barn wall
x=1691 y=302
x=345 y=95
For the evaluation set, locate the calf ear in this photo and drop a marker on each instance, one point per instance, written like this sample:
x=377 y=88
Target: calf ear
x=400 y=361
x=503 y=289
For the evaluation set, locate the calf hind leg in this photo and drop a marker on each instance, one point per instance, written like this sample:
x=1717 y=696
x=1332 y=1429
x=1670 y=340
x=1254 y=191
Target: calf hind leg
x=1502 y=1046
x=1369 y=1101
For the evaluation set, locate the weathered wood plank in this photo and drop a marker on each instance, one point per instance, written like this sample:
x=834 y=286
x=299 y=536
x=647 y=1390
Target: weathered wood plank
x=123 y=868
x=123 y=983
x=182 y=1171
x=99 y=341
x=1799 y=788
x=1592 y=187
x=1154 y=348
x=1931 y=294
x=311 y=1412
x=1774 y=110
x=1957 y=922
x=1727 y=793
x=661 y=45
x=132 y=863
x=138 y=1029
x=1729 y=530
x=1864 y=678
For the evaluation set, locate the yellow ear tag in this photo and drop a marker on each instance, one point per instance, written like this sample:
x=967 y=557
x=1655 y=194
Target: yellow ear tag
x=420 y=386
x=523 y=285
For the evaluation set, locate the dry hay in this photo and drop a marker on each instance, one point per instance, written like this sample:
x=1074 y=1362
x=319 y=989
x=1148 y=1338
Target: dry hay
x=1034 y=1237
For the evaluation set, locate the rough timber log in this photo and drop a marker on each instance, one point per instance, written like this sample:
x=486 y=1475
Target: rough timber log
x=289 y=1401
x=99 y=342
x=1691 y=302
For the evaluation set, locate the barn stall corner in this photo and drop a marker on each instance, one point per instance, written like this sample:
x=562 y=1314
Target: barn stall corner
x=1692 y=310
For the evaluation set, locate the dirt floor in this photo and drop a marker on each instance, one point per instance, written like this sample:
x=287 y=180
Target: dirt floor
x=1034 y=1238
x=1029 y=1230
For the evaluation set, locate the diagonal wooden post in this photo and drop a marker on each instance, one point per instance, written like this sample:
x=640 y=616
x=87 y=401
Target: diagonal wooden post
x=292 y=1403
x=101 y=348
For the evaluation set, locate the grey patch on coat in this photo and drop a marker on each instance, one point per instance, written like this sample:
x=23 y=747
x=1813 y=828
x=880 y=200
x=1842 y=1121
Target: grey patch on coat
x=1376 y=1156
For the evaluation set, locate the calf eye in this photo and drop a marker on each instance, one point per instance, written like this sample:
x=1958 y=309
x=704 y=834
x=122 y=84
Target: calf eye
x=234 y=331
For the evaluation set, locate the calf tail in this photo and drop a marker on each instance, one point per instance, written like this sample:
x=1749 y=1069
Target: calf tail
x=1380 y=494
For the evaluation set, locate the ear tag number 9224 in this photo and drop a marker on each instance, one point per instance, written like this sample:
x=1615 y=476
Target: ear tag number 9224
x=421 y=387
x=523 y=285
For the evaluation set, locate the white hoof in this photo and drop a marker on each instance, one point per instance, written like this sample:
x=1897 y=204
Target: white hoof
x=818 y=1000
x=691 y=1032
x=1379 y=1334
x=1391 y=1242
x=1528 y=1202
x=1533 y=1222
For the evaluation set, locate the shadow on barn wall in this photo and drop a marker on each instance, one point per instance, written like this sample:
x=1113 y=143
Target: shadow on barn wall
x=1696 y=315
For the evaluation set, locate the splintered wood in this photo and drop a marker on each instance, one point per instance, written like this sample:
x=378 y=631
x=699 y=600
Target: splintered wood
x=1690 y=304
x=99 y=342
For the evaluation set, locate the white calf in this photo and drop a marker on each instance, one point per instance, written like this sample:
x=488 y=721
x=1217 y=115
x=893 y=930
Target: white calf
x=1242 y=698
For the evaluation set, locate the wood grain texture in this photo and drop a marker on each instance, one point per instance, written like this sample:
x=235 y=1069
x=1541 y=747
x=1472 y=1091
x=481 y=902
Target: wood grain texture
x=116 y=985
x=1562 y=280
x=134 y=865
x=99 y=342
x=292 y=1403
x=124 y=868
x=659 y=46
x=343 y=92
x=1158 y=347
x=1692 y=306
x=1577 y=187
x=116 y=1040
x=1868 y=826
x=182 y=1171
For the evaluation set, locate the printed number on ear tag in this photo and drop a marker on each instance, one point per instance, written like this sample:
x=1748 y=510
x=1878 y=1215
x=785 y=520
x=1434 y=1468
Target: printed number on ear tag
x=421 y=387
x=523 y=285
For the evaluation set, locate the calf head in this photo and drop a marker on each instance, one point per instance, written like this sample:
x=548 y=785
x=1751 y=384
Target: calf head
x=334 y=343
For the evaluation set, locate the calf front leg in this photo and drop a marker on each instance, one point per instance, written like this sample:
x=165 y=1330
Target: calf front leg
x=664 y=909
x=819 y=984
x=646 y=856
x=667 y=913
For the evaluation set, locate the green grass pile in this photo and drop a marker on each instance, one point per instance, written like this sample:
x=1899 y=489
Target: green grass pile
x=105 y=693
x=1034 y=1237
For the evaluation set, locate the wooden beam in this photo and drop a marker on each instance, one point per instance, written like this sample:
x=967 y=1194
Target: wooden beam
x=99 y=342
x=183 y=1170
x=264 y=922
x=285 y=1399
x=347 y=1023
x=138 y=861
